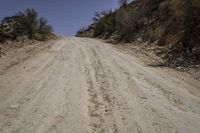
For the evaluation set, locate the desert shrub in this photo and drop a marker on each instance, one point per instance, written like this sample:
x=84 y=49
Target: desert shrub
x=106 y=24
x=43 y=28
x=28 y=24
x=81 y=31
x=123 y=2
x=99 y=15
x=127 y=24
x=5 y=29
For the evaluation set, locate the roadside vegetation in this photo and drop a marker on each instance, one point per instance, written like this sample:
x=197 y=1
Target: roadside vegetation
x=24 y=28
x=25 y=24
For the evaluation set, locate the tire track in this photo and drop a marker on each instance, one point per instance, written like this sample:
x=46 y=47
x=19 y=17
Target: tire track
x=100 y=111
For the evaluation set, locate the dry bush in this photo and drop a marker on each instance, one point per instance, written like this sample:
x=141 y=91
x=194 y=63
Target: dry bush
x=25 y=23
x=127 y=23
x=106 y=25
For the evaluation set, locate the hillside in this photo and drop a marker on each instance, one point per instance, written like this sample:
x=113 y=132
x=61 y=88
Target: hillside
x=171 y=25
x=23 y=28
x=133 y=70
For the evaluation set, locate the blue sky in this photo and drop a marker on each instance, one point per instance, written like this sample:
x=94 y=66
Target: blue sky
x=66 y=16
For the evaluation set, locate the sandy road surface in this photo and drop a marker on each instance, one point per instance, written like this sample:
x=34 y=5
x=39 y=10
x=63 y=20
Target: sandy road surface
x=86 y=86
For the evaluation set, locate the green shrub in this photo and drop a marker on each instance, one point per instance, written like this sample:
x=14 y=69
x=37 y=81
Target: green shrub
x=105 y=25
x=43 y=28
x=27 y=24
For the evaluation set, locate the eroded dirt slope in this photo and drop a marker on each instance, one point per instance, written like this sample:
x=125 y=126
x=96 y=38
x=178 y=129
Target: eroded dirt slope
x=86 y=86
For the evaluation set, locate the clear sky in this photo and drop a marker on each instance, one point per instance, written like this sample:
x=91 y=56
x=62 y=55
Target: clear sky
x=66 y=16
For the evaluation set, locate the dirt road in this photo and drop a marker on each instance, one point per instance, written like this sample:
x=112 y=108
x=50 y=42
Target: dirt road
x=86 y=86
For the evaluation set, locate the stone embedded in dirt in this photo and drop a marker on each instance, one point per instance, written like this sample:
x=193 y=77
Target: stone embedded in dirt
x=14 y=106
x=143 y=97
x=1 y=50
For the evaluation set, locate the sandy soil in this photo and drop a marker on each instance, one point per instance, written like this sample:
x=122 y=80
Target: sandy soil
x=85 y=86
